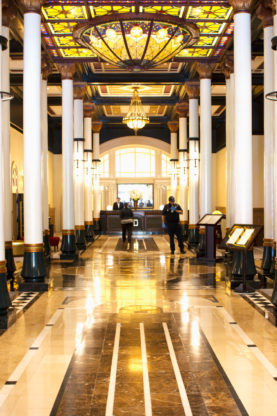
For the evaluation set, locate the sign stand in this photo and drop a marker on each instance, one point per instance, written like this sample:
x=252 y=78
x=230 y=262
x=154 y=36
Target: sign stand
x=210 y=221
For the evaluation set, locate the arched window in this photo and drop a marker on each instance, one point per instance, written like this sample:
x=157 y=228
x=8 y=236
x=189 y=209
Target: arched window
x=135 y=162
x=166 y=168
x=104 y=166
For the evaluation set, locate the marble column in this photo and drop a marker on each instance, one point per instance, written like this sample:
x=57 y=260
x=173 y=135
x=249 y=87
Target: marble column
x=33 y=269
x=173 y=127
x=78 y=178
x=205 y=74
x=5 y=302
x=68 y=247
x=242 y=175
x=182 y=109
x=265 y=14
x=192 y=90
x=6 y=18
x=46 y=70
x=88 y=110
x=96 y=127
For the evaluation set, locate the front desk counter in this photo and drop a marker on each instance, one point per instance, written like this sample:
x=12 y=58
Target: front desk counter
x=145 y=220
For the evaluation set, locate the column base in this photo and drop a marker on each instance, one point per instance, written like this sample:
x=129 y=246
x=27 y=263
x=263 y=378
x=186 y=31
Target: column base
x=80 y=235
x=185 y=230
x=7 y=319
x=272 y=267
x=33 y=269
x=89 y=231
x=10 y=265
x=96 y=225
x=193 y=236
x=5 y=301
x=274 y=293
x=237 y=267
x=46 y=242
x=201 y=248
x=268 y=255
x=68 y=246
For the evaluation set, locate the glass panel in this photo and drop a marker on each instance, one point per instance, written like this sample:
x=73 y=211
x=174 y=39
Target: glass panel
x=136 y=37
x=209 y=12
x=65 y=41
x=62 y=27
x=64 y=12
x=77 y=53
x=197 y=52
x=212 y=28
x=135 y=162
x=104 y=166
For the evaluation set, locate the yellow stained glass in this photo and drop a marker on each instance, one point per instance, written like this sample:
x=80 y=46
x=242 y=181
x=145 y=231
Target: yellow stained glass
x=64 y=12
x=211 y=28
x=209 y=12
x=172 y=10
x=103 y=10
x=197 y=52
x=65 y=41
x=62 y=27
x=206 y=41
x=77 y=53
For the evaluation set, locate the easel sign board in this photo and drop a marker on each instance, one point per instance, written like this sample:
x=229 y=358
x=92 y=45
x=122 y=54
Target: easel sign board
x=211 y=219
x=242 y=236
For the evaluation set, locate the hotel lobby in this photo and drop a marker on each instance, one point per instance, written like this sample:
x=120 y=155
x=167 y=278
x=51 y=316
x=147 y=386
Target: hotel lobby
x=157 y=117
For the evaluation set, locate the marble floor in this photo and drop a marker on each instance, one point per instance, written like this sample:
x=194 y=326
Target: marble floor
x=132 y=330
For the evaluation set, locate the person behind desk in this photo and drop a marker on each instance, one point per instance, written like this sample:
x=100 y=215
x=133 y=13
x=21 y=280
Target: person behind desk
x=126 y=216
x=171 y=220
x=117 y=205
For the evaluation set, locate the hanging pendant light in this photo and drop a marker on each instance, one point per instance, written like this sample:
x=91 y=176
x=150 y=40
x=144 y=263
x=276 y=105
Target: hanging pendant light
x=136 y=118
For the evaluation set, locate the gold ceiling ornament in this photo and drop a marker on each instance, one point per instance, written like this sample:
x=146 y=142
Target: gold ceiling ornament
x=66 y=70
x=136 y=41
x=205 y=70
x=241 y=6
x=136 y=118
x=192 y=89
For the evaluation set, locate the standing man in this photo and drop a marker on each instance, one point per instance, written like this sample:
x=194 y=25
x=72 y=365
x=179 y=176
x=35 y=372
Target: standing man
x=171 y=220
x=117 y=205
x=126 y=217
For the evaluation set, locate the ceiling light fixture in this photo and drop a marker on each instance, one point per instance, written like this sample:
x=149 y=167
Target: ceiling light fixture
x=136 y=118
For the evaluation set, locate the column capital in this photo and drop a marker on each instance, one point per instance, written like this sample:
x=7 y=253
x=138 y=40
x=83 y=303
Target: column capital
x=173 y=126
x=66 y=70
x=32 y=6
x=96 y=126
x=46 y=68
x=265 y=13
x=192 y=89
x=182 y=109
x=8 y=12
x=205 y=70
x=227 y=67
x=241 y=6
x=79 y=90
x=89 y=108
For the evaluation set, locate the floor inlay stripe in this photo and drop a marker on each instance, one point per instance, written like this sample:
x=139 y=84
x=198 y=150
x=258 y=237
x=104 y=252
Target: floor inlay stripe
x=146 y=385
x=181 y=387
x=110 y=400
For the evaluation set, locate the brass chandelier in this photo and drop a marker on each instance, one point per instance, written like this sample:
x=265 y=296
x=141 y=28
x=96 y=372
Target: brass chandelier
x=136 y=118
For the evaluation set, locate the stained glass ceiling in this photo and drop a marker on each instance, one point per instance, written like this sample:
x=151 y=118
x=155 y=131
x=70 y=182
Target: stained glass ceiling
x=59 y=18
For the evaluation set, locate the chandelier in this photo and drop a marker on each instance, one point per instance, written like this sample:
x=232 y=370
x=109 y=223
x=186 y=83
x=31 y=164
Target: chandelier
x=136 y=118
x=136 y=41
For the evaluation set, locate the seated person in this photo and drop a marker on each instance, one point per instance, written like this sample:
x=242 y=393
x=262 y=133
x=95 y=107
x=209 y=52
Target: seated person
x=117 y=205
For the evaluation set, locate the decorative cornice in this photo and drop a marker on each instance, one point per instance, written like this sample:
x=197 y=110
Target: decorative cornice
x=79 y=90
x=227 y=67
x=96 y=126
x=66 y=70
x=265 y=13
x=46 y=68
x=241 y=6
x=182 y=109
x=205 y=70
x=192 y=89
x=32 y=6
x=173 y=126
x=89 y=108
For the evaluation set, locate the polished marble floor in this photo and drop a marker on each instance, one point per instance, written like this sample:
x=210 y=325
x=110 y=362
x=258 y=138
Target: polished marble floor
x=132 y=330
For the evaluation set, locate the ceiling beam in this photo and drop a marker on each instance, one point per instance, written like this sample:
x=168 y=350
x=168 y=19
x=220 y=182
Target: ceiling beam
x=126 y=100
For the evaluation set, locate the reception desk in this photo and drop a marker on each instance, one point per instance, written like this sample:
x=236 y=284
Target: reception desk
x=145 y=220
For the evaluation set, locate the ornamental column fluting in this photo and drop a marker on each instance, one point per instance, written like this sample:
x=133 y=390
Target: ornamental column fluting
x=173 y=127
x=46 y=70
x=33 y=264
x=78 y=179
x=88 y=110
x=8 y=14
x=5 y=302
x=265 y=14
x=182 y=109
x=192 y=89
x=96 y=127
x=242 y=174
x=68 y=247
x=205 y=74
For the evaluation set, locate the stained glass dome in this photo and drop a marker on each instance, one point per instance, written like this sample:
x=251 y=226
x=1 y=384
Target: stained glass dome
x=136 y=41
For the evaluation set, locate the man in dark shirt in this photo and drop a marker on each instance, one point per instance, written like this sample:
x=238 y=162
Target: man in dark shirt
x=171 y=220
x=117 y=205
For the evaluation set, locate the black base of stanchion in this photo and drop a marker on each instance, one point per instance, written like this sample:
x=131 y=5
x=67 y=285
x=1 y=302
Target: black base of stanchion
x=68 y=246
x=193 y=238
x=268 y=258
x=89 y=233
x=274 y=293
x=201 y=248
x=5 y=301
x=8 y=318
x=10 y=264
x=244 y=289
x=33 y=269
x=237 y=268
x=80 y=239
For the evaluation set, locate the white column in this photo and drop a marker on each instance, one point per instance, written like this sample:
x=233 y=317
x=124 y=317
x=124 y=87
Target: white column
x=96 y=127
x=78 y=164
x=183 y=178
x=44 y=144
x=243 y=119
x=232 y=149
x=193 y=162
x=228 y=152
x=173 y=127
x=275 y=135
x=88 y=171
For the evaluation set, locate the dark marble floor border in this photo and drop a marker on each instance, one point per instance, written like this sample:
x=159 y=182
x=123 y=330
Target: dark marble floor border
x=225 y=377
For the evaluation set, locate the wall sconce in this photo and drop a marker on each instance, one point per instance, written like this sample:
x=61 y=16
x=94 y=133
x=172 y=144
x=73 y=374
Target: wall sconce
x=78 y=156
x=183 y=163
x=194 y=155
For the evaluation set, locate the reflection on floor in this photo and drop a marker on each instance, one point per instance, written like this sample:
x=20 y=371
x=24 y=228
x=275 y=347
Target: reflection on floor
x=138 y=332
